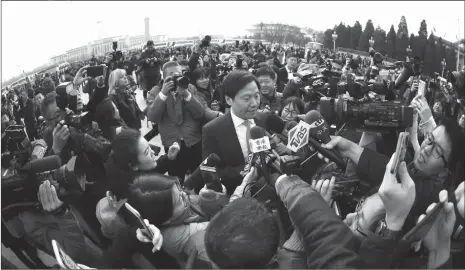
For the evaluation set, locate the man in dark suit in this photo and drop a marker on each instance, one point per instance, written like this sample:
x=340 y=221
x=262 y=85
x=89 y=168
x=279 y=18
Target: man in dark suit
x=287 y=72
x=227 y=136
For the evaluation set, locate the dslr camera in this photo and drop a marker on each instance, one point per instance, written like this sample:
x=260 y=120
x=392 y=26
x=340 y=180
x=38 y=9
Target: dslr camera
x=179 y=80
x=377 y=116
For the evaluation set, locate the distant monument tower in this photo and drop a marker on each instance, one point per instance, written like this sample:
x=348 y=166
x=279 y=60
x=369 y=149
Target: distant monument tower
x=147 y=28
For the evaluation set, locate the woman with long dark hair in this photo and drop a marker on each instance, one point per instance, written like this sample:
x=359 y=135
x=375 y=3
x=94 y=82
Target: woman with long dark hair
x=206 y=94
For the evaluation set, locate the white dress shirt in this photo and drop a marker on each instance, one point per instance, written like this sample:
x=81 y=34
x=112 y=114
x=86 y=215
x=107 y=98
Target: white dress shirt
x=164 y=97
x=241 y=132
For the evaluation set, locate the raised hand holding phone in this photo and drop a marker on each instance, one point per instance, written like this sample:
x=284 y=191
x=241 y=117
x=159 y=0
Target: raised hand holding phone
x=149 y=233
x=156 y=238
x=439 y=235
x=437 y=241
x=401 y=150
x=398 y=198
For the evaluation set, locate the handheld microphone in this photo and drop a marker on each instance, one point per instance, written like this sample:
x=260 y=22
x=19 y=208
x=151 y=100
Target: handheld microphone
x=275 y=124
x=42 y=165
x=319 y=133
x=205 y=174
x=259 y=143
x=270 y=159
x=279 y=128
x=208 y=171
x=290 y=125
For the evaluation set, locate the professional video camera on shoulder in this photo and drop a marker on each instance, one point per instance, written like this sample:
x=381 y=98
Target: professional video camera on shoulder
x=378 y=116
x=20 y=189
x=16 y=146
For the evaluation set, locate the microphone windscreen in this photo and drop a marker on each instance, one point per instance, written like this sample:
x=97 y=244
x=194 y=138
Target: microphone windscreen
x=297 y=119
x=257 y=132
x=290 y=125
x=312 y=116
x=274 y=123
x=42 y=165
x=320 y=129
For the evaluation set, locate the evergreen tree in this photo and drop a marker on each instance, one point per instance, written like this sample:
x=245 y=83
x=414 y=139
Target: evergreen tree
x=363 y=44
x=380 y=40
x=391 y=42
x=423 y=29
x=402 y=39
x=328 y=39
x=356 y=33
x=421 y=41
x=411 y=40
x=343 y=39
x=349 y=36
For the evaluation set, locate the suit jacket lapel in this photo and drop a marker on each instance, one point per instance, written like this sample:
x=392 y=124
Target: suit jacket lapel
x=230 y=140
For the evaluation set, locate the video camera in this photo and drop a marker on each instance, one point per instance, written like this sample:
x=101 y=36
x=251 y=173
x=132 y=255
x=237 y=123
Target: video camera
x=84 y=139
x=347 y=192
x=117 y=54
x=20 y=189
x=380 y=116
x=16 y=146
x=223 y=68
x=205 y=42
x=412 y=68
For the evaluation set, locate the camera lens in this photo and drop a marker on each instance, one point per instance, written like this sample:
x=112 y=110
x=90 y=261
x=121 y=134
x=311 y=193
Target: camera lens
x=183 y=82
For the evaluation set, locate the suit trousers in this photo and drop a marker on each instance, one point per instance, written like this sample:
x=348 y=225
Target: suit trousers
x=150 y=82
x=188 y=159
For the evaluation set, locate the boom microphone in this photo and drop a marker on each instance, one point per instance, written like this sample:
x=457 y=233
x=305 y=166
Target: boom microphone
x=319 y=133
x=42 y=165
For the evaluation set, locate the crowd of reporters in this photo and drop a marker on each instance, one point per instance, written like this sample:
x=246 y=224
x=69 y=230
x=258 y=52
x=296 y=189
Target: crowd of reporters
x=208 y=201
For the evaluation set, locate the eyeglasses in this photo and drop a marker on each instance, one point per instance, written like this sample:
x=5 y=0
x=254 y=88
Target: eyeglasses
x=294 y=113
x=436 y=149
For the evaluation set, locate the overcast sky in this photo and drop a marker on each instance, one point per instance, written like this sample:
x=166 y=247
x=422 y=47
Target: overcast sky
x=34 y=31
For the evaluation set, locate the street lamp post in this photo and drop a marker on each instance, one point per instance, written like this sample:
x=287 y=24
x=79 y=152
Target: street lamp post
x=334 y=40
x=372 y=42
x=443 y=64
x=409 y=52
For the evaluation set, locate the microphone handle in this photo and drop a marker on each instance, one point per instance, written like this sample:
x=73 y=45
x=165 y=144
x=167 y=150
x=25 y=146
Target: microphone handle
x=264 y=166
x=329 y=153
x=275 y=165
